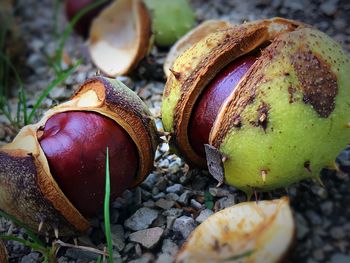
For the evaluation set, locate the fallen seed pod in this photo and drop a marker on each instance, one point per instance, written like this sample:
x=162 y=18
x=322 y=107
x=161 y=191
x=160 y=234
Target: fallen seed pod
x=120 y=37
x=3 y=253
x=123 y=33
x=261 y=232
x=284 y=121
x=52 y=176
x=171 y=19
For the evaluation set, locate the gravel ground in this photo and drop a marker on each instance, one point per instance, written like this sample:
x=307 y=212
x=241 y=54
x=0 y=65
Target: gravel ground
x=151 y=222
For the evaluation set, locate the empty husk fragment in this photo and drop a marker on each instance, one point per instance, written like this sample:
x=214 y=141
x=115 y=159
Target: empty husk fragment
x=284 y=118
x=120 y=36
x=261 y=232
x=52 y=176
x=123 y=33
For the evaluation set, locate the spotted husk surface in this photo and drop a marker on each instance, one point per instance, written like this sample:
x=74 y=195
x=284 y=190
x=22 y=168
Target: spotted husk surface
x=288 y=117
x=292 y=102
x=198 y=65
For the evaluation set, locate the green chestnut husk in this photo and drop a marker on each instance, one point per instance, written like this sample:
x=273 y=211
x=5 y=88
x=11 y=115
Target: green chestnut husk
x=288 y=116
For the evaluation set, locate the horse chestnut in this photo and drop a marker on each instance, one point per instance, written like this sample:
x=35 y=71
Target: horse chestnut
x=293 y=101
x=52 y=176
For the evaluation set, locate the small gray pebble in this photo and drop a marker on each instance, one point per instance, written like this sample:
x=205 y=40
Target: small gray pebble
x=176 y=212
x=225 y=202
x=302 y=226
x=158 y=196
x=218 y=192
x=165 y=204
x=340 y=258
x=142 y=218
x=195 y=204
x=149 y=204
x=313 y=217
x=75 y=253
x=161 y=183
x=318 y=254
x=171 y=196
x=185 y=225
x=150 y=181
x=165 y=258
x=329 y=7
x=169 y=247
x=148 y=238
x=327 y=207
x=204 y=215
x=141 y=260
x=118 y=237
x=31 y=258
x=337 y=233
x=176 y=188
x=184 y=197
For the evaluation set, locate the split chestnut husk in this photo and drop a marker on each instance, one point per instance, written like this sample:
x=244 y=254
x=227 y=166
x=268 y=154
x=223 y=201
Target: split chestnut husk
x=261 y=231
x=125 y=31
x=285 y=119
x=52 y=176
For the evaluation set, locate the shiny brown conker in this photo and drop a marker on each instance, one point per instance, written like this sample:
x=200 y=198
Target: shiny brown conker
x=210 y=101
x=75 y=144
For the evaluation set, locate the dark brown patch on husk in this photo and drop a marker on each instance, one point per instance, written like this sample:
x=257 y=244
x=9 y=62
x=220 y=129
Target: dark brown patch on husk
x=262 y=118
x=21 y=196
x=291 y=92
x=307 y=166
x=318 y=82
x=3 y=253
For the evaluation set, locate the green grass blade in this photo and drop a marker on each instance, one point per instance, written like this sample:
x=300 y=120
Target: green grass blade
x=48 y=89
x=106 y=211
x=69 y=28
x=7 y=115
x=35 y=246
x=57 y=9
x=4 y=76
x=20 y=83
x=29 y=232
x=99 y=259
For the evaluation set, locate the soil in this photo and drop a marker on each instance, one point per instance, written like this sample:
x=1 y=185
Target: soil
x=172 y=190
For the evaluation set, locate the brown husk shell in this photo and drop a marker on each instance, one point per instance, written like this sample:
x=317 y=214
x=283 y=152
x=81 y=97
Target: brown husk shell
x=28 y=190
x=222 y=47
x=190 y=38
x=261 y=231
x=3 y=253
x=120 y=37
